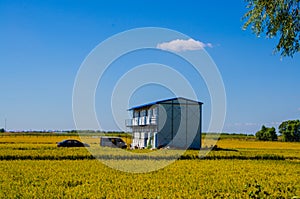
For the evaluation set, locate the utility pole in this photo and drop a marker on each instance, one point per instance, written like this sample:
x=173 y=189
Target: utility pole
x=5 y=124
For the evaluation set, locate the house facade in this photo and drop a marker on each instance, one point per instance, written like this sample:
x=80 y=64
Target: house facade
x=174 y=122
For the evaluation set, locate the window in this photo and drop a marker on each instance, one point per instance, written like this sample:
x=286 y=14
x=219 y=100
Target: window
x=154 y=111
x=150 y=112
x=136 y=113
x=143 y=113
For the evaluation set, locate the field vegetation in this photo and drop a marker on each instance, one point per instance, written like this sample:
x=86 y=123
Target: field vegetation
x=239 y=167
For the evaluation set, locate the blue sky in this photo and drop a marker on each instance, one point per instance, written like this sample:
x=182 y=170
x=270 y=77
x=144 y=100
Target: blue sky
x=43 y=44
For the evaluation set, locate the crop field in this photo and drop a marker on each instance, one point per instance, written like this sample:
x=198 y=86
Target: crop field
x=34 y=167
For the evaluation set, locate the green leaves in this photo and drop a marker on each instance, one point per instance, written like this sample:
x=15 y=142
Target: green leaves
x=277 y=18
x=266 y=134
x=290 y=130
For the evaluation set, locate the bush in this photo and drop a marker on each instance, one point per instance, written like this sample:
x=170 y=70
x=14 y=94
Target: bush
x=266 y=134
x=290 y=130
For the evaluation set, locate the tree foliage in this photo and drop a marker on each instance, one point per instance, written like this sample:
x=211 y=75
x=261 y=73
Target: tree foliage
x=266 y=134
x=276 y=18
x=2 y=130
x=290 y=130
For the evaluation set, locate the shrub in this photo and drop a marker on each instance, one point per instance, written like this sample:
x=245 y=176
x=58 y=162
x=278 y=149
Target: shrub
x=290 y=130
x=266 y=134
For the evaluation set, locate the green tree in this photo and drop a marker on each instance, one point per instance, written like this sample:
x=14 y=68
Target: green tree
x=266 y=134
x=290 y=130
x=276 y=18
x=2 y=130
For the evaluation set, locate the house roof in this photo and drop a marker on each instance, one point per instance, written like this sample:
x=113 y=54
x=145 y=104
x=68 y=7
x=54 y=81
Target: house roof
x=162 y=101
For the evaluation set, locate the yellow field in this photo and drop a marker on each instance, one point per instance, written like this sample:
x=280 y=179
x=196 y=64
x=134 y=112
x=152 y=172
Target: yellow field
x=183 y=179
x=251 y=144
x=223 y=143
x=21 y=139
x=33 y=167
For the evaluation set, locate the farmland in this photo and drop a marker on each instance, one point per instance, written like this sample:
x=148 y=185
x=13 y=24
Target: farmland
x=33 y=167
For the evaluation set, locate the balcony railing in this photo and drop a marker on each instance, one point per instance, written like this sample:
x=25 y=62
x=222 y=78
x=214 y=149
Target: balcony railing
x=141 y=121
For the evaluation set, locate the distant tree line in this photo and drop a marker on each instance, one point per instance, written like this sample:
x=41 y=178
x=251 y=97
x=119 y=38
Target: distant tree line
x=289 y=130
x=2 y=130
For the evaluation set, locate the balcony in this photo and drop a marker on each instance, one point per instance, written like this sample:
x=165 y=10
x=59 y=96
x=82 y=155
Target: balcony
x=141 y=121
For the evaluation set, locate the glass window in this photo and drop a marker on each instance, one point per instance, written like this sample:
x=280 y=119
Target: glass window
x=143 y=113
x=150 y=112
x=136 y=113
x=154 y=111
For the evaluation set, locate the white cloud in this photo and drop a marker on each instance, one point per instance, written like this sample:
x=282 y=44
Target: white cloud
x=243 y=124
x=179 y=45
x=273 y=123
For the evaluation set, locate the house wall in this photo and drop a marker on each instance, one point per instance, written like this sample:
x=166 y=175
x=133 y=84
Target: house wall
x=194 y=126
x=179 y=124
x=167 y=123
